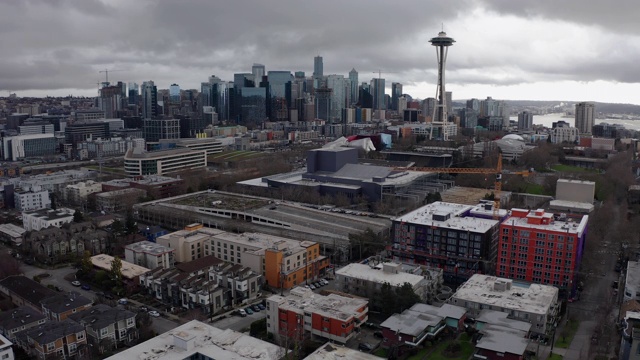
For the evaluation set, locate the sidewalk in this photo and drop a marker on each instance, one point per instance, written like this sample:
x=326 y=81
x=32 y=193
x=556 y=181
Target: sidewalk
x=579 y=347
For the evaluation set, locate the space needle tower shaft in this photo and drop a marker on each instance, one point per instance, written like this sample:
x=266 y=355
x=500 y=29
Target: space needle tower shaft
x=442 y=43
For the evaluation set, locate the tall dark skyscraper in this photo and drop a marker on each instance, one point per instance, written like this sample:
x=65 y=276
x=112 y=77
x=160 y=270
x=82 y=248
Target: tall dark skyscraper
x=585 y=115
x=396 y=92
x=280 y=94
x=318 y=67
x=134 y=93
x=149 y=100
x=377 y=90
x=353 y=78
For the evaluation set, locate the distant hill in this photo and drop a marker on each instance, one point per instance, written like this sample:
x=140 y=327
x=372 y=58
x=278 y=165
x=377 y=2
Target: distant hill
x=608 y=108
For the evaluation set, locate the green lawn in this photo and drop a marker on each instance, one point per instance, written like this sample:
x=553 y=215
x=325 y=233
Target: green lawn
x=381 y=352
x=555 y=357
x=419 y=355
x=566 y=335
x=535 y=189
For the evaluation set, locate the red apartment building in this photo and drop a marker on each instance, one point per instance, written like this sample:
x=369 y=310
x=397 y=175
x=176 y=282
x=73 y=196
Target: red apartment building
x=303 y=315
x=540 y=247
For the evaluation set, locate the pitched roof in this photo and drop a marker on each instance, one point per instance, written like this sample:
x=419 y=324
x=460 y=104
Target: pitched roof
x=27 y=289
x=51 y=331
x=63 y=302
x=100 y=316
x=20 y=316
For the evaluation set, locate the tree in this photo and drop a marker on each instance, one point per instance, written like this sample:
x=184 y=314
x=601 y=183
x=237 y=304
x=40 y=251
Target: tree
x=387 y=300
x=117 y=228
x=78 y=217
x=406 y=297
x=131 y=227
x=85 y=264
x=8 y=266
x=115 y=273
x=365 y=244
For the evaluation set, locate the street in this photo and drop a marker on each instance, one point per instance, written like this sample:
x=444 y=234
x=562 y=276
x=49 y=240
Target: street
x=238 y=323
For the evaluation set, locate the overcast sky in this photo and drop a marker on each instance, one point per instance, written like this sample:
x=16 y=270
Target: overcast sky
x=533 y=50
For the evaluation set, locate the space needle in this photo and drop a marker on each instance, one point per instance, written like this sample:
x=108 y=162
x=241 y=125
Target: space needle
x=442 y=43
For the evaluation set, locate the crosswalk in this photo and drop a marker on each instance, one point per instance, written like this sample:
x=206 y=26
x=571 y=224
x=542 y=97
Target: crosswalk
x=606 y=251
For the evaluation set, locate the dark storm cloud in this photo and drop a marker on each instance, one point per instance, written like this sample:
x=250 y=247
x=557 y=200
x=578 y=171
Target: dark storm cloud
x=49 y=44
x=619 y=16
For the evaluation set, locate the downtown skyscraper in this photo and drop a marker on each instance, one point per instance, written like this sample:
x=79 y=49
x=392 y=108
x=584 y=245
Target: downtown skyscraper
x=149 y=93
x=585 y=117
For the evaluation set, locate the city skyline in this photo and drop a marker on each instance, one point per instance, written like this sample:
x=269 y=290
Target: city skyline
x=506 y=50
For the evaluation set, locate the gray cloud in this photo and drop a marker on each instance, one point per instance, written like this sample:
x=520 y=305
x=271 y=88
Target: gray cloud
x=60 y=44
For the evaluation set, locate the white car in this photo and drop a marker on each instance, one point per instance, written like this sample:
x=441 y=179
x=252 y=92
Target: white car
x=312 y=287
x=76 y=283
x=154 y=313
x=123 y=301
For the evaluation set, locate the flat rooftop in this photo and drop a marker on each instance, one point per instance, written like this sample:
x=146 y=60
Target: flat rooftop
x=448 y=216
x=129 y=270
x=49 y=214
x=531 y=298
x=633 y=275
x=12 y=230
x=571 y=205
x=331 y=351
x=148 y=247
x=333 y=306
x=196 y=337
x=565 y=226
x=372 y=274
x=502 y=340
x=494 y=317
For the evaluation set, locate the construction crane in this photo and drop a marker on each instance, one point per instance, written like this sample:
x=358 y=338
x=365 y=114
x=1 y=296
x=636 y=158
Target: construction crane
x=106 y=75
x=497 y=171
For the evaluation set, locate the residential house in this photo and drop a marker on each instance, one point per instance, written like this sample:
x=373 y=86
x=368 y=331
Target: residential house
x=419 y=323
x=107 y=327
x=21 y=318
x=54 y=245
x=500 y=337
x=61 y=306
x=56 y=339
x=6 y=352
x=130 y=272
x=25 y=292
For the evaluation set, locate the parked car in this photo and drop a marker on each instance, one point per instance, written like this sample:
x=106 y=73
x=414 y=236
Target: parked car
x=312 y=287
x=324 y=281
x=242 y=313
x=256 y=308
x=249 y=310
x=154 y=313
x=365 y=347
x=85 y=287
x=378 y=334
x=76 y=283
x=123 y=301
x=262 y=307
x=317 y=284
x=144 y=308
x=109 y=296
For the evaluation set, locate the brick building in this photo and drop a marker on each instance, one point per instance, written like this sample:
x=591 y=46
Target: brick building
x=539 y=247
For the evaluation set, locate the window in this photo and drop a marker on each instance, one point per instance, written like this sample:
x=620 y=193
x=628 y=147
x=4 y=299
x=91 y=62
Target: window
x=72 y=348
x=131 y=322
x=80 y=336
x=103 y=332
x=51 y=346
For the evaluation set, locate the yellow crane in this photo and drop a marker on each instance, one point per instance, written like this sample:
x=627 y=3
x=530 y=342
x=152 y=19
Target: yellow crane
x=497 y=171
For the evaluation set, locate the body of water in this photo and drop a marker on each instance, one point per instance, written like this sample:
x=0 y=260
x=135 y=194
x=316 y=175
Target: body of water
x=548 y=119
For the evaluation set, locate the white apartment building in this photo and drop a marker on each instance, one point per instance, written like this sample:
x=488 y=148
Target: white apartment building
x=562 y=134
x=34 y=199
x=533 y=303
x=149 y=255
x=6 y=352
x=42 y=219
x=189 y=244
x=78 y=192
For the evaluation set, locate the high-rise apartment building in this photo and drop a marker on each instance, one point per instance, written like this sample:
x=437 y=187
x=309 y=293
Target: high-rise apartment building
x=525 y=121
x=585 y=116
x=353 y=78
x=149 y=93
x=134 y=93
x=396 y=92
